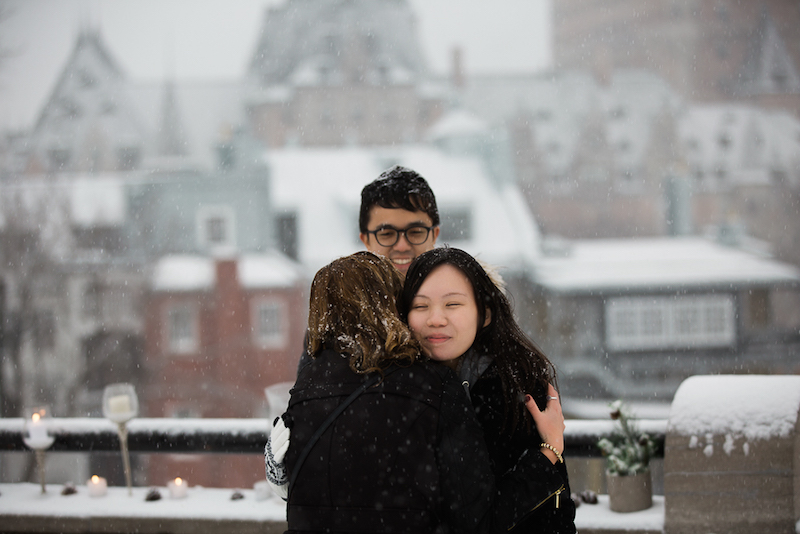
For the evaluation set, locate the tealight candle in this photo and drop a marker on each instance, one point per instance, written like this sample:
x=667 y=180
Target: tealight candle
x=97 y=486
x=177 y=488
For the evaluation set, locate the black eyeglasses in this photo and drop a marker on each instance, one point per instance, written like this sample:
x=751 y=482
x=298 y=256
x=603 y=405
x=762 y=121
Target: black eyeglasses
x=388 y=236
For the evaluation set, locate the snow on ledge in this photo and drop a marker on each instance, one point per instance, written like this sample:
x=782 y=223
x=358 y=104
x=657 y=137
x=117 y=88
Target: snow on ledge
x=754 y=407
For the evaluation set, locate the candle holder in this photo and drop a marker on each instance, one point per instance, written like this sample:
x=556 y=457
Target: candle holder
x=120 y=405
x=37 y=438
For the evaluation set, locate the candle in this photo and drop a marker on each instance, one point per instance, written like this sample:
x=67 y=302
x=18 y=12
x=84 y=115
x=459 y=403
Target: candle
x=121 y=404
x=97 y=486
x=37 y=430
x=37 y=437
x=177 y=488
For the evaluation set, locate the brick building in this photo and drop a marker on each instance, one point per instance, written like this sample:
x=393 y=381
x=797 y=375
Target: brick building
x=217 y=332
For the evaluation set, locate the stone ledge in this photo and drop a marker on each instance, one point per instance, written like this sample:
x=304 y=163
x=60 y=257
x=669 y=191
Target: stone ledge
x=210 y=511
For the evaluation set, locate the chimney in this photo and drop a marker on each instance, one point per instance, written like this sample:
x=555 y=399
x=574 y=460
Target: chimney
x=229 y=312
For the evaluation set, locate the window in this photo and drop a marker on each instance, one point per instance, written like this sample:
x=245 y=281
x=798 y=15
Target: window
x=269 y=324
x=215 y=227
x=758 y=307
x=456 y=224
x=287 y=233
x=92 y=300
x=640 y=323
x=182 y=328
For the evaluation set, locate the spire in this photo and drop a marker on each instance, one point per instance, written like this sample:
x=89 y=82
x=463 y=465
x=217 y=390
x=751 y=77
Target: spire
x=171 y=138
x=770 y=68
x=171 y=134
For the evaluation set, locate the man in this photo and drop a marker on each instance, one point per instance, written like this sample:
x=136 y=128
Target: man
x=398 y=218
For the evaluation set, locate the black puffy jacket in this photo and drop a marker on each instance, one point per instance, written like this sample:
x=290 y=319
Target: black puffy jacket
x=555 y=514
x=407 y=456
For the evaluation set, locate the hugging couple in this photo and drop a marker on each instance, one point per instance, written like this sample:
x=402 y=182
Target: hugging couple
x=420 y=405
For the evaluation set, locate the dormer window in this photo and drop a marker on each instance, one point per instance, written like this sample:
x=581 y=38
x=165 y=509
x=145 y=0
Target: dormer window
x=215 y=227
x=70 y=110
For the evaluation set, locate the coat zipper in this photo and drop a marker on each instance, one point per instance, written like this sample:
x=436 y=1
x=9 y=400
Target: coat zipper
x=556 y=494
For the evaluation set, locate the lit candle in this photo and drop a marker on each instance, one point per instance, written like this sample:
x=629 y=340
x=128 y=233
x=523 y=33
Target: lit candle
x=177 y=488
x=37 y=437
x=97 y=486
x=121 y=404
x=37 y=430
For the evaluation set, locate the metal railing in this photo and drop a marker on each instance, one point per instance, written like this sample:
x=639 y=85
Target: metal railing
x=242 y=436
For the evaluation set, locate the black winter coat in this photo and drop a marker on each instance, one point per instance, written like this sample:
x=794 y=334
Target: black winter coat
x=555 y=513
x=407 y=456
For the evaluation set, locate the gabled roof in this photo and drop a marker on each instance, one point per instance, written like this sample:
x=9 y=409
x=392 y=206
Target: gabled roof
x=89 y=113
x=769 y=67
x=658 y=264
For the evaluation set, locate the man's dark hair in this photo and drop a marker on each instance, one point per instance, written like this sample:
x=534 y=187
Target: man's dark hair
x=398 y=187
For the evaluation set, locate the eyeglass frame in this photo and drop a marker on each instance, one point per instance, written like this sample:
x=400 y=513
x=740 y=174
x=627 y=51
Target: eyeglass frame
x=404 y=232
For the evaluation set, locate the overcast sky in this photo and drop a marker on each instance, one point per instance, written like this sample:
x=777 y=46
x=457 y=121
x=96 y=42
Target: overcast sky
x=212 y=39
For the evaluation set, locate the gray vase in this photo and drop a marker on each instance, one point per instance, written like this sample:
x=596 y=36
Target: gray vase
x=629 y=493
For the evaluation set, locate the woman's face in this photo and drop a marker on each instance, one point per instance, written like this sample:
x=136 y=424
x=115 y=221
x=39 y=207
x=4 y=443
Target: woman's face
x=444 y=315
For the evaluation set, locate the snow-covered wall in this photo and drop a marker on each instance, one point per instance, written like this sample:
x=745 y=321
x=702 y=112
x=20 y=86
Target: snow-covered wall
x=732 y=455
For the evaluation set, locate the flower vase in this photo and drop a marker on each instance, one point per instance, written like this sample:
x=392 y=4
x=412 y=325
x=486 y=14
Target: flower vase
x=629 y=493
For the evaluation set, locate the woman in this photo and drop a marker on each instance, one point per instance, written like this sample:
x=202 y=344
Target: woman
x=406 y=454
x=463 y=320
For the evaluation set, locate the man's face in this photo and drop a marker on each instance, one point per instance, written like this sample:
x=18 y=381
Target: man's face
x=402 y=252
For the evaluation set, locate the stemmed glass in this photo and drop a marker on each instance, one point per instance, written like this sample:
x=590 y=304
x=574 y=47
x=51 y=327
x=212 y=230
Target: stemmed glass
x=120 y=405
x=36 y=436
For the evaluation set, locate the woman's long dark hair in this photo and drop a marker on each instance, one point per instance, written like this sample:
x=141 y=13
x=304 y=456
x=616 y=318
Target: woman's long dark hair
x=521 y=365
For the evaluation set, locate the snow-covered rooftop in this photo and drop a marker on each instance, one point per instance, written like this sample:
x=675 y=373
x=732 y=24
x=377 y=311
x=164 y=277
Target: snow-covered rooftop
x=197 y=273
x=657 y=263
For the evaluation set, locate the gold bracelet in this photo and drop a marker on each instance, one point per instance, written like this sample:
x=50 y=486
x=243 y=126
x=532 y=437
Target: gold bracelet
x=555 y=451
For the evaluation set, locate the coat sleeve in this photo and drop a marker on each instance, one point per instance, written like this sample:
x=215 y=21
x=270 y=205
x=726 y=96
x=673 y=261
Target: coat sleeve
x=473 y=499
